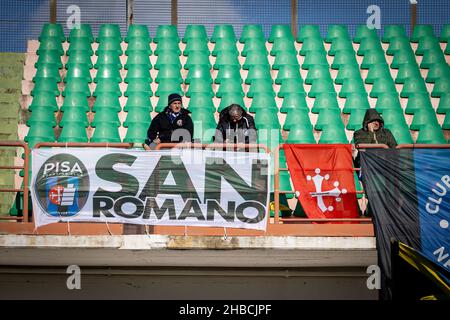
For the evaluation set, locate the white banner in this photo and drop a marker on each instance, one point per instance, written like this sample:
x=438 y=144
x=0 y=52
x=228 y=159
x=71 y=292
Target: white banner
x=178 y=187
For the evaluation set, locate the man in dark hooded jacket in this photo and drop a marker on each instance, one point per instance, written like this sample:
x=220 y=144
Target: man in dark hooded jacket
x=235 y=126
x=373 y=131
x=168 y=125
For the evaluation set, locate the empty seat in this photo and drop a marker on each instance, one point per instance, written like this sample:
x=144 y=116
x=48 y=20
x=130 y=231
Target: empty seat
x=73 y=132
x=135 y=116
x=280 y=31
x=431 y=134
x=368 y=45
x=39 y=133
x=74 y=115
x=106 y=116
x=168 y=86
x=444 y=104
x=44 y=100
x=136 y=133
x=343 y=58
x=138 y=100
x=42 y=116
x=281 y=45
x=47 y=86
x=393 y=31
x=110 y=59
x=445 y=33
x=223 y=31
x=350 y=86
x=398 y=44
x=348 y=71
x=50 y=44
x=80 y=44
x=167 y=45
x=336 y=31
x=52 y=31
x=105 y=132
x=431 y=58
x=195 y=31
x=364 y=32
x=297 y=118
x=356 y=101
x=200 y=118
x=427 y=44
x=378 y=71
x=267 y=119
x=257 y=73
x=142 y=59
x=393 y=117
x=197 y=59
x=446 y=123
x=194 y=46
x=295 y=101
x=138 y=86
x=314 y=58
x=372 y=57
x=333 y=134
x=401 y=133
x=255 y=59
x=137 y=32
x=201 y=103
x=225 y=44
x=291 y=86
x=109 y=44
x=109 y=32
x=301 y=134
x=79 y=57
x=388 y=101
x=383 y=85
x=138 y=72
x=225 y=58
x=320 y=86
x=285 y=59
x=81 y=72
x=170 y=58
x=407 y=71
x=437 y=71
x=441 y=87
x=138 y=45
x=330 y=117
x=326 y=100
x=261 y=86
x=308 y=32
x=229 y=72
x=356 y=119
x=254 y=46
x=200 y=86
x=413 y=86
x=423 y=117
x=75 y=100
x=107 y=86
x=107 y=101
x=229 y=86
x=49 y=58
x=340 y=44
x=403 y=57
x=251 y=32
x=311 y=44
x=198 y=72
x=166 y=32
x=417 y=101
x=264 y=102
x=293 y=72
x=47 y=72
x=421 y=31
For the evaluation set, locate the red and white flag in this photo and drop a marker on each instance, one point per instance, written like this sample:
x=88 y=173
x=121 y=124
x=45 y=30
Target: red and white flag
x=323 y=178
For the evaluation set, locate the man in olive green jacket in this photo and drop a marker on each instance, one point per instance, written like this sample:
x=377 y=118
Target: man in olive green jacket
x=373 y=131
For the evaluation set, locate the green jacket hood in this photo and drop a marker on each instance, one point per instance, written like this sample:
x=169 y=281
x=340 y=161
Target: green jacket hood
x=372 y=115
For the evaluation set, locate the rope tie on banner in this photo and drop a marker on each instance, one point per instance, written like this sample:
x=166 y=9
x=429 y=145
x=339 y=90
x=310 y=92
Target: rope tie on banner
x=66 y=144
x=107 y=227
x=185 y=231
x=225 y=235
x=35 y=230
x=146 y=231
x=68 y=228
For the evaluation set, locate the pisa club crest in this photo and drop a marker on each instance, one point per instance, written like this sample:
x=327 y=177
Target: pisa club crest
x=62 y=186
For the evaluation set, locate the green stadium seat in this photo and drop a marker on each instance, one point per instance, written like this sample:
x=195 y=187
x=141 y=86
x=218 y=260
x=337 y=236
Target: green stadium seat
x=170 y=58
x=75 y=100
x=49 y=58
x=194 y=46
x=162 y=102
x=431 y=58
x=388 y=101
x=223 y=31
x=437 y=71
x=350 y=86
x=73 y=132
x=201 y=103
x=42 y=116
x=139 y=100
x=137 y=71
x=336 y=31
x=106 y=116
x=342 y=58
x=109 y=32
x=280 y=31
x=138 y=86
x=47 y=73
x=401 y=133
x=255 y=59
x=320 y=86
x=139 y=46
x=79 y=57
x=166 y=32
x=326 y=100
x=403 y=57
x=378 y=71
x=312 y=44
x=445 y=33
x=254 y=46
x=52 y=31
x=137 y=32
x=167 y=45
x=358 y=185
x=417 y=101
x=399 y=44
x=371 y=58
x=107 y=101
x=428 y=44
x=329 y=117
x=80 y=44
x=333 y=134
x=285 y=59
x=44 y=100
x=444 y=104
x=307 y=32
x=383 y=85
x=314 y=58
x=136 y=117
x=293 y=72
x=340 y=44
x=226 y=58
x=421 y=31
x=110 y=59
x=264 y=102
x=393 y=117
x=267 y=120
x=356 y=119
x=81 y=72
x=446 y=123
x=230 y=98
x=105 y=132
x=229 y=86
x=203 y=118
x=271 y=138
x=50 y=44
x=348 y=71
x=364 y=32
x=197 y=72
x=197 y=59
x=291 y=86
x=297 y=118
x=441 y=87
x=74 y=115
x=282 y=45
x=431 y=134
x=142 y=59
x=107 y=86
x=356 y=101
x=47 y=86
x=447 y=48
x=202 y=86
x=227 y=45
x=252 y=32
x=229 y=72
x=369 y=45
x=393 y=31
x=195 y=31
x=39 y=133
x=258 y=73
x=423 y=117
x=109 y=45
x=413 y=86
x=301 y=134
x=168 y=86
x=295 y=102
x=407 y=71
x=317 y=72
x=261 y=86
x=136 y=133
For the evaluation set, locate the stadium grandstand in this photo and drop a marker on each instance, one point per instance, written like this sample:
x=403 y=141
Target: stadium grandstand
x=91 y=75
